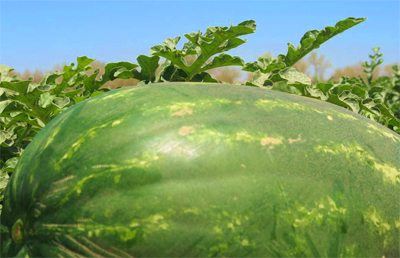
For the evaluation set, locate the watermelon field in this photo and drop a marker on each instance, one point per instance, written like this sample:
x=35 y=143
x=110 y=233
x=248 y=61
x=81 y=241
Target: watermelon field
x=185 y=165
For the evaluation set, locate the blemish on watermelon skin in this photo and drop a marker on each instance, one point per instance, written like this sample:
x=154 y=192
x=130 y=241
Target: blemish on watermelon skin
x=18 y=234
x=270 y=140
x=295 y=140
x=65 y=179
x=184 y=130
x=183 y=112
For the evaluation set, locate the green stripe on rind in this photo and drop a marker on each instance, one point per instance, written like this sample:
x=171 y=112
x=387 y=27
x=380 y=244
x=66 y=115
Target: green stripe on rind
x=186 y=169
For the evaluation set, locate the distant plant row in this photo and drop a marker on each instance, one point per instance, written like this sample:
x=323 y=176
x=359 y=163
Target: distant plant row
x=314 y=66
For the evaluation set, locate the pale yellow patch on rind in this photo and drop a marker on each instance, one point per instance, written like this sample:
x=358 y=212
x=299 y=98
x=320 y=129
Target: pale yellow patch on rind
x=117 y=178
x=268 y=105
x=187 y=108
x=373 y=129
x=334 y=208
x=376 y=222
x=325 y=211
x=332 y=113
x=291 y=141
x=92 y=229
x=388 y=171
x=244 y=136
x=152 y=223
x=355 y=151
x=203 y=134
x=50 y=139
x=88 y=135
x=117 y=94
x=193 y=210
x=346 y=116
x=65 y=115
x=115 y=123
x=245 y=242
x=142 y=162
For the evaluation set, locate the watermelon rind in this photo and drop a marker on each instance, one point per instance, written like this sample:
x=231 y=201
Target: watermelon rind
x=205 y=170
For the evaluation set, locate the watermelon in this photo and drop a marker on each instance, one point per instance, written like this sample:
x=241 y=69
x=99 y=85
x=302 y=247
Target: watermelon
x=202 y=169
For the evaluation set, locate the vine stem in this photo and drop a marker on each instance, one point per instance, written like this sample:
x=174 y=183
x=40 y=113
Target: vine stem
x=27 y=129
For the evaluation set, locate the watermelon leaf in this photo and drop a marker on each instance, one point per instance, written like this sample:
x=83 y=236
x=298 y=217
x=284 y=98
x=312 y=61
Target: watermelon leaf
x=148 y=67
x=313 y=39
x=310 y=41
x=214 y=41
x=265 y=64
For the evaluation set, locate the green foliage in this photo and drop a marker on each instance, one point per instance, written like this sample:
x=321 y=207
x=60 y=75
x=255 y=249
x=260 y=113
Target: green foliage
x=148 y=66
x=375 y=61
x=270 y=70
x=378 y=100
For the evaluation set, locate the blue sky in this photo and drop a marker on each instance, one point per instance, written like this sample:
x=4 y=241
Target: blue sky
x=40 y=34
